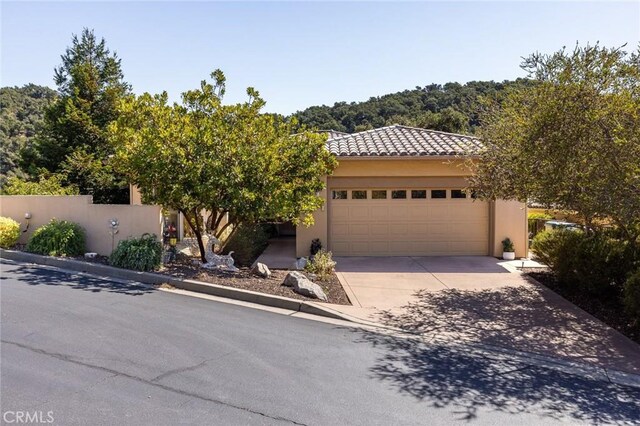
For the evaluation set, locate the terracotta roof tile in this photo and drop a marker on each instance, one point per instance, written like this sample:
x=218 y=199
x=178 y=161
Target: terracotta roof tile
x=399 y=140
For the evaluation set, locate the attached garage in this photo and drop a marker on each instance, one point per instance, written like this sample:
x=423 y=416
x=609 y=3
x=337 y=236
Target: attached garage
x=399 y=191
x=407 y=222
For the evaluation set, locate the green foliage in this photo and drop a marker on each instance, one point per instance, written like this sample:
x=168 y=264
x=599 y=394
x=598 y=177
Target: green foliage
x=139 y=254
x=21 y=115
x=541 y=216
x=572 y=140
x=449 y=108
x=631 y=297
x=247 y=243
x=507 y=245
x=230 y=160
x=73 y=140
x=322 y=265
x=58 y=238
x=52 y=185
x=9 y=232
x=596 y=263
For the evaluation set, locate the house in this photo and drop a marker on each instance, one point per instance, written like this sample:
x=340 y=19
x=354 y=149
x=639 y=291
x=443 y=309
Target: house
x=398 y=191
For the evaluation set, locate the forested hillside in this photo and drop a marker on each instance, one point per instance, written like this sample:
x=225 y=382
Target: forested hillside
x=452 y=107
x=21 y=114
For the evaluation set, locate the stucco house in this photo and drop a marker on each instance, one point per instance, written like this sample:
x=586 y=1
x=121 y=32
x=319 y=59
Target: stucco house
x=398 y=190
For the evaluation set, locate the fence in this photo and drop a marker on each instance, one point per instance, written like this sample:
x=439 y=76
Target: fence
x=134 y=220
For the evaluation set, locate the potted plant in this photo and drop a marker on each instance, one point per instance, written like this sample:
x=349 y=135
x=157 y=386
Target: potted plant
x=508 y=252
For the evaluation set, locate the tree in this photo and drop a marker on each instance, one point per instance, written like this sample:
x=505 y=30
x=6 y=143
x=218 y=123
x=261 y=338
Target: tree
x=21 y=116
x=572 y=140
x=46 y=185
x=90 y=84
x=231 y=161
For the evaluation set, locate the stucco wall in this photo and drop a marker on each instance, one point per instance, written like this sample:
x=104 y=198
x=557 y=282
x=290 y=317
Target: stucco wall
x=134 y=220
x=509 y=219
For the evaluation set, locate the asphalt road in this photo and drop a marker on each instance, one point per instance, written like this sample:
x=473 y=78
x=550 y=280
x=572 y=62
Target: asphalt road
x=82 y=350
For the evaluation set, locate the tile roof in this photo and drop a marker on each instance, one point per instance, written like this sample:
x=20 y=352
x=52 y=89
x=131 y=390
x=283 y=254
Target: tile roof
x=399 y=140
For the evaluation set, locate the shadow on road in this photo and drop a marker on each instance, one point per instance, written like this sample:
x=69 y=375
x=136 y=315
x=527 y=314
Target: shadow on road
x=469 y=381
x=41 y=276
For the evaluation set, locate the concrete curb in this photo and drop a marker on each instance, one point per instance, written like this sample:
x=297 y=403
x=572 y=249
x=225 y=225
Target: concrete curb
x=184 y=284
x=103 y=271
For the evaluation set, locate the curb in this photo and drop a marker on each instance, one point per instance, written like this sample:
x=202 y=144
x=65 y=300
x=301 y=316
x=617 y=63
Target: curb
x=104 y=271
x=183 y=284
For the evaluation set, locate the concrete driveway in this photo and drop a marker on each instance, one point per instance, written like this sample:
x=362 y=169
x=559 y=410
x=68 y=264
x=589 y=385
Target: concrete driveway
x=477 y=299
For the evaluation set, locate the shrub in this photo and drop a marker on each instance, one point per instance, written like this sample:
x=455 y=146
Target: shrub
x=632 y=295
x=9 y=232
x=52 y=185
x=247 y=243
x=539 y=216
x=140 y=254
x=507 y=245
x=597 y=264
x=316 y=246
x=322 y=265
x=58 y=238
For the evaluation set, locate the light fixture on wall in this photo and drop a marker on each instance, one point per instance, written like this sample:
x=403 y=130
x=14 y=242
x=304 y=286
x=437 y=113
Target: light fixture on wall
x=27 y=216
x=113 y=230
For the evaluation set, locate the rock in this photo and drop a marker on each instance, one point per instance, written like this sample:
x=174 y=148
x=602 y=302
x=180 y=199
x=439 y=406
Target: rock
x=292 y=278
x=261 y=270
x=90 y=255
x=312 y=277
x=300 y=264
x=302 y=285
x=310 y=289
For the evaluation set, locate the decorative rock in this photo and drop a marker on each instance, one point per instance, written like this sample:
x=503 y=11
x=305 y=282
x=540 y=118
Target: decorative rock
x=300 y=263
x=312 y=277
x=261 y=270
x=304 y=286
x=90 y=255
x=292 y=278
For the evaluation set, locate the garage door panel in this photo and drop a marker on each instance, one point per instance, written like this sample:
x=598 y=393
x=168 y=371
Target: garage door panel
x=417 y=227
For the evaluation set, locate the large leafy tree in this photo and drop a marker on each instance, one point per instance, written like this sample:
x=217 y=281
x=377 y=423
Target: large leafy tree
x=572 y=140
x=73 y=141
x=231 y=161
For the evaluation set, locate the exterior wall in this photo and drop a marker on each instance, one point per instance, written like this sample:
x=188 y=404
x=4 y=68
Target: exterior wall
x=135 y=198
x=319 y=229
x=135 y=220
x=508 y=219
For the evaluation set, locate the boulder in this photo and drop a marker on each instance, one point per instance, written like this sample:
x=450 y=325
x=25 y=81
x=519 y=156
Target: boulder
x=304 y=286
x=293 y=278
x=261 y=270
x=299 y=264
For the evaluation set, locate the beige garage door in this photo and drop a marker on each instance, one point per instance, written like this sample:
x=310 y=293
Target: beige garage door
x=407 y=222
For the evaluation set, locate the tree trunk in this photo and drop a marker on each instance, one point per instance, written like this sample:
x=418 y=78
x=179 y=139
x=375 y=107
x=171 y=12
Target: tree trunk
x=197 y=232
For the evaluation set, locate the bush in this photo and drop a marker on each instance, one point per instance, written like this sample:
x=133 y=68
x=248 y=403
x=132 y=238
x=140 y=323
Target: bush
x=539 y=216
x=9 y=232
x=507 y=245
x=597 y=264
x=139 y=254
x=58 y=238
x=632 y=295
x=322 y=265
x=247 y=243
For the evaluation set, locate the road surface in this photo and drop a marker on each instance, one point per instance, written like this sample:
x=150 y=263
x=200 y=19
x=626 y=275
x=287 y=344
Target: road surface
x=81 y=350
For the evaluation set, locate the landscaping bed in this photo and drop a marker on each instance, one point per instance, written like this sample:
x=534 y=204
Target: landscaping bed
x=246 y=281
x=609 y=311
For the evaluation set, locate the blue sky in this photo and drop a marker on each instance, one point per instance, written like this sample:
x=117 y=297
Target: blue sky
x=307 y=53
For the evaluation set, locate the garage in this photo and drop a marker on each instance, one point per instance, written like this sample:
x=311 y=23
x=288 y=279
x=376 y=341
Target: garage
x=407 y=222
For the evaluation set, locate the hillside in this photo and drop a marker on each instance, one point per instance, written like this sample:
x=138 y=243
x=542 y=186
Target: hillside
x=21 y=114
x=452 y=107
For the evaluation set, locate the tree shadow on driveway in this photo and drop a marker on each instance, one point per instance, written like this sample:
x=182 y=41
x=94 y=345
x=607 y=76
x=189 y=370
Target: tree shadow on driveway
x=51 y=277
x=471 y=382
x=528 y=318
